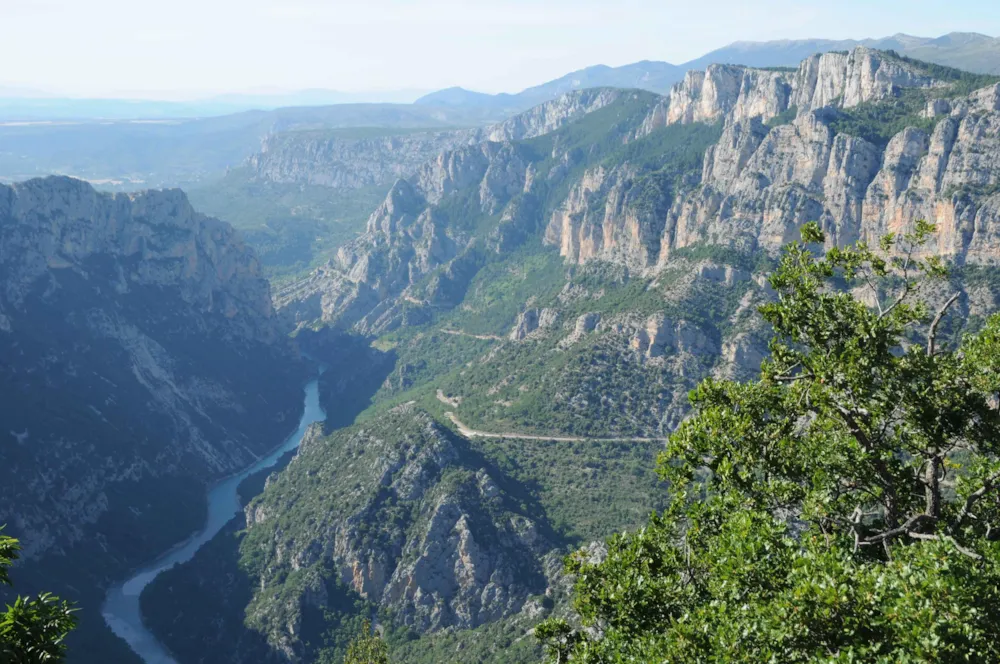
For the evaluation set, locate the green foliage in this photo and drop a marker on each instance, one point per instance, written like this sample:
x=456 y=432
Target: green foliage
x=498 y=292
x=878 y=121
x=292 y=227
x=962 y=82
x=678 y=147
x=785 y=117
x=32 y=631
x=753 y=262
x=367 y=648
x=502 y=641
x=589 y=490
x=606 y=137
x=839 y=509
x=8 y=554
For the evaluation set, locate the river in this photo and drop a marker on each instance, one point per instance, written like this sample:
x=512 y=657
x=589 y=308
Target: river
x=121 y=607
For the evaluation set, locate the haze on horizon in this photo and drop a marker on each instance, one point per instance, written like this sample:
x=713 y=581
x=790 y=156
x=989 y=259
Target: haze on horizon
x=187 y=49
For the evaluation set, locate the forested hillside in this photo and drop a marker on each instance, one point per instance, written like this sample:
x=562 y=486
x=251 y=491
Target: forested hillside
x=544 y=303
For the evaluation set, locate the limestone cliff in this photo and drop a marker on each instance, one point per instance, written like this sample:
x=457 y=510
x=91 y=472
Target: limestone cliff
x=404 y=515
x=352 y=159
x=140 y=358
x=410 y=239
x=760 y=184
x=344 y=160
x=787 y=155
x=436 y=227
x=739 y=93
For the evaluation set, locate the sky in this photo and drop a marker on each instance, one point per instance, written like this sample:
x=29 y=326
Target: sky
x=185 y=49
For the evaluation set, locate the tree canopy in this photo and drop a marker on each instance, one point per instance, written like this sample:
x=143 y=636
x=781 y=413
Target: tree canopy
x=32 y=631
x=367 y=647
x=843 y=507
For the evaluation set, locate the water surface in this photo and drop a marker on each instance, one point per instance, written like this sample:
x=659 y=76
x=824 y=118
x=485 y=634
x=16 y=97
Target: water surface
x=121 y=606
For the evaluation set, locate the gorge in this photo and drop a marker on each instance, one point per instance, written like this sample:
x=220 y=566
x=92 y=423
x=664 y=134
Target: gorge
x=512 y=316
x=121 y=607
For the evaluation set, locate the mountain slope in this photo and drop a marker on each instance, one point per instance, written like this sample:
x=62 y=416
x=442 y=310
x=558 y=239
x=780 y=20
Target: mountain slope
x=968 y=51
x=645 y=75
x=141 y=359
x=130 y=155
x=564 y=292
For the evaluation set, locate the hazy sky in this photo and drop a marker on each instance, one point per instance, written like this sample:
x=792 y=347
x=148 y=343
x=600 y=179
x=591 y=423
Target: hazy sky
x=194 y=47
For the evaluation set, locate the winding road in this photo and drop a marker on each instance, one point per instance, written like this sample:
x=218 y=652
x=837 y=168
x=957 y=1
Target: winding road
x=473 y=433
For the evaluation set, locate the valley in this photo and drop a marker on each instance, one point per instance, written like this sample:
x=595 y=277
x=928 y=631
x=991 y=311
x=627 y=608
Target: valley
x=544 y=306
x=121 y=608
x=501 y=309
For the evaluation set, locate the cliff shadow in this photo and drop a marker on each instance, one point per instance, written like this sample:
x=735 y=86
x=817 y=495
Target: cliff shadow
x=354 y=372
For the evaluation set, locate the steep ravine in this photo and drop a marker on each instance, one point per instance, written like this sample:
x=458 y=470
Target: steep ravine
x=121 y=607
x=572 y=288
x=140 y=361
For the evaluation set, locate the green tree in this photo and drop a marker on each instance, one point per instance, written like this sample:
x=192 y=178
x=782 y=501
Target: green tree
x=32 y=631
x=367 y=647
x=844 y=507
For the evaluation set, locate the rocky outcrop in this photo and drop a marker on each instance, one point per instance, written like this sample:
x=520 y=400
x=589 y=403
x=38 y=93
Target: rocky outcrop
x=141 y=358
x=736 y=93
x=760 y=185
x=660 y=336
x=761 y=181
x=527 y=322
x=550 y=116
x=358 y=158
x=531 y=320
x=407 y=519
x=416 y=251
x=950 y=177
x=609 y=216
x=341 y=160
x=56 y=226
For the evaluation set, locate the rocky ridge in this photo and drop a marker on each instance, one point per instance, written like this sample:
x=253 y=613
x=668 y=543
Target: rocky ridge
x=427 y=239
x=127 y=322
x=762 y=180
x=780 y=161
x=407 y=519
x=352 y=159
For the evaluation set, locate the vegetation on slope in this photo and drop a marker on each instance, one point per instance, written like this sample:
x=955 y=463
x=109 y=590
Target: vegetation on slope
x=293 y=227
x=31 y=630
x=878 y=121
x=840 y=508
x=961 y=82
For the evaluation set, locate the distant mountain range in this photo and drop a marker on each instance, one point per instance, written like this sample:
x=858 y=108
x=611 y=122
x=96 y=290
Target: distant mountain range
x=963 y=50
x=25 y=105
x=969 y=51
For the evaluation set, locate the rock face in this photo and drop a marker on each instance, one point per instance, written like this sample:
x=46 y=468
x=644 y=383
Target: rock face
x=761 y=182
x=370 y=285
x=345 y=162
x=548 y=117
x=737 y=93
x=600 y=220
x=661 y=336
x=141 y=357
x=352 y=159
x=426 y=241
x=531 y=320
x=759 y=186
x=406 y=518
x=527 y=322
